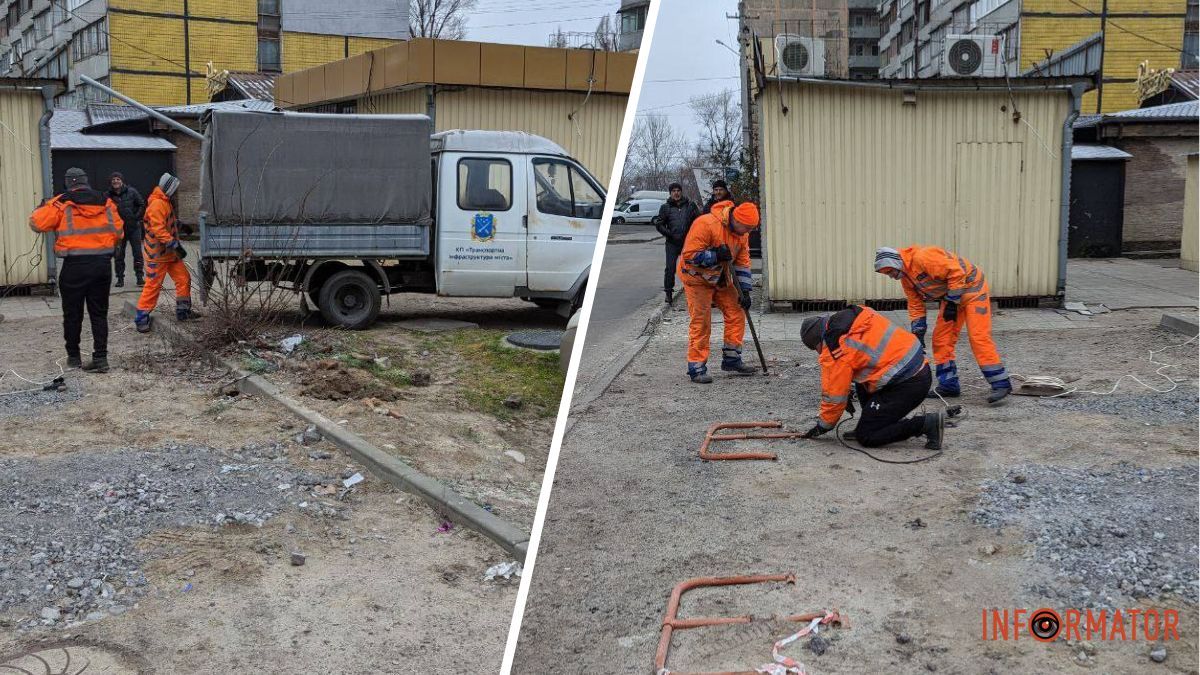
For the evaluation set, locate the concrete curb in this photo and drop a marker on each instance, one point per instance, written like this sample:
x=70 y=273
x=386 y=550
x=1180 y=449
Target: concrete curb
x=596 y=389
x=634 y=240
x=1186 y=326
x=378 y=461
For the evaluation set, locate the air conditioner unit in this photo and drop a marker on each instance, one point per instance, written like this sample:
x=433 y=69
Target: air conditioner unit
x=799 y=56
x=973 y=56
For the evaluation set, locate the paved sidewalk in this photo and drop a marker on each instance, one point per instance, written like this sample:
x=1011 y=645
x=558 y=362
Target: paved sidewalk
x=1119 y=283
x=16 y=308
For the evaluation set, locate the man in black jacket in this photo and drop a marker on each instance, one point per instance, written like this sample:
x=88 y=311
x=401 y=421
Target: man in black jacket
x=132 y=208
x=720 y=193
x=672 y=222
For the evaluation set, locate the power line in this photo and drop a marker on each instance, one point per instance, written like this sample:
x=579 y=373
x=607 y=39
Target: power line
x=1122 y=28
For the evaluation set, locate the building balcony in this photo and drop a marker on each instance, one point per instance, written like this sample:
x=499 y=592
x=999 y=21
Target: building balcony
x=865 y=32
x=863 y=4
x=629 y=41
x=864 y=61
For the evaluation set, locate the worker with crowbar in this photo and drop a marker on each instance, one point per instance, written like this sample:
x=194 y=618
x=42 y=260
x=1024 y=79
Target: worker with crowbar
x=715 y=268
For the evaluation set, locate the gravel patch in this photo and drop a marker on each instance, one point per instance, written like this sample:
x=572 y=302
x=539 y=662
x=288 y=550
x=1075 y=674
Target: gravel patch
x=1176 y=407
x=1124 y=532
x=69 y=525
x=32 y=402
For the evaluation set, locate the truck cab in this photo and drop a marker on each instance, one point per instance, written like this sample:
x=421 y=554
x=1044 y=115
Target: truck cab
x=515 y=216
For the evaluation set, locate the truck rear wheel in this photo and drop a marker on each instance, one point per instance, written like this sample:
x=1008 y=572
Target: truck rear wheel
x=349 y=299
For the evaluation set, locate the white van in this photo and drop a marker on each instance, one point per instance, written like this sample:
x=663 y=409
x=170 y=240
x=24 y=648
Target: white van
x=637 y=211
x=372 y=205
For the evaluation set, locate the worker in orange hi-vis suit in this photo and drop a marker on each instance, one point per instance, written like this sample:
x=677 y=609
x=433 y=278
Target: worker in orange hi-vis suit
x=163 y=256
x=87 y=229
x=863 y=353
x=930 y=273
x=716 y=242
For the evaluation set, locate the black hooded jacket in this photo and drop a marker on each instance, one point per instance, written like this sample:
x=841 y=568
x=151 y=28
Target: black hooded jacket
x=130 y=204
x=675 y=218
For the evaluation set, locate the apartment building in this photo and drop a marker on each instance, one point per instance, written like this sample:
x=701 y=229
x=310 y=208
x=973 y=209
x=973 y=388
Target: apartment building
x=915 y=34
x=631 y=19
x=848 y=29
x=158 y=50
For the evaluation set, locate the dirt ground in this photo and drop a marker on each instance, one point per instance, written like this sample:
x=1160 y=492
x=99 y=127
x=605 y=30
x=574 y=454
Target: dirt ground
x=894 y=547
x=453 y=402
x=381 y=589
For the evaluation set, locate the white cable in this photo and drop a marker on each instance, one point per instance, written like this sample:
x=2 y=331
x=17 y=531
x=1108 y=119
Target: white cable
x=1054 y=381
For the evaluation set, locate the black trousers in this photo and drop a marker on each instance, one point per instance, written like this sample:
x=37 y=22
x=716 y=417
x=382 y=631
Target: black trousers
x=133 y=237
x=84 y=281
x=673 y=251
x=883 y=412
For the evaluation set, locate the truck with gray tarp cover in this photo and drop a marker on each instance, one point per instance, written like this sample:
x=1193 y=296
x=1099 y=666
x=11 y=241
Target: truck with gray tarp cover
x=344 y=209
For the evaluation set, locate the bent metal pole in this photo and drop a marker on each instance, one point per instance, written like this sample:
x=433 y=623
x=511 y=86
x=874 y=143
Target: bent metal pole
x=146 y=109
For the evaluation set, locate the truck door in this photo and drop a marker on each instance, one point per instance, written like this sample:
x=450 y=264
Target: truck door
x=564 y=221
x=480 y=224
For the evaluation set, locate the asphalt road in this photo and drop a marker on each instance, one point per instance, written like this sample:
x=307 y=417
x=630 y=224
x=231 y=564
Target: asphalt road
x=630 y=290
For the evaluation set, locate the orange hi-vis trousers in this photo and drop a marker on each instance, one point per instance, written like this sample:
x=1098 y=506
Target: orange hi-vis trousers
x=976 y=312
x=700 y=299
x=156 y=273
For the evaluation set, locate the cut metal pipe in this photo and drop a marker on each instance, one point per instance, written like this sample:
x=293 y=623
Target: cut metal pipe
x=146 y=109
x=672 y=622
x=712 y=436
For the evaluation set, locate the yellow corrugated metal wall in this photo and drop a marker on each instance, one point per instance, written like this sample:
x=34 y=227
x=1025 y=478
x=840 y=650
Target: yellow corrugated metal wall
x=20 y=189
x=1190 y=246
x=591 y=138
x=1138 y=30
x=849 y=169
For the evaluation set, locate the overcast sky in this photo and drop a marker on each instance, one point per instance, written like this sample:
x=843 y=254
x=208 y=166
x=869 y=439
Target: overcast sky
x=530 y=22
x=684 y=50
x=685 y=60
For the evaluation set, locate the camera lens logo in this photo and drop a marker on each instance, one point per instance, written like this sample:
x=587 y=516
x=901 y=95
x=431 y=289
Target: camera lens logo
x=1044 y=624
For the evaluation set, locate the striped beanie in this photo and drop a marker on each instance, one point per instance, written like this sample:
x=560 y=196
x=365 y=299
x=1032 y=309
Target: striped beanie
x=887 y=257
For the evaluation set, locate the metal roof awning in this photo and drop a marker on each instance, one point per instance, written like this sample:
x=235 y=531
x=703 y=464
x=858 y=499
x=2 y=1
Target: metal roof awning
x=951 y=83
x=66 y=133
x=1086 y=152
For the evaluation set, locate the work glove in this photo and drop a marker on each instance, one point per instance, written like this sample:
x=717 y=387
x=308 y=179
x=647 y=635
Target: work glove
x=744 y=299
x=814 y=432
x=921 y=337
x=723 y=253
x=180 y=250
x=950 y=311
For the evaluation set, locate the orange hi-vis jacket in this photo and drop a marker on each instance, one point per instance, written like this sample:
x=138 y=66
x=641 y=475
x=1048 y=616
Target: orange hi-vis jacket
x=859 y=345
x=932 y=273
x=709 y=231
x=84 y=222
x=161 y=228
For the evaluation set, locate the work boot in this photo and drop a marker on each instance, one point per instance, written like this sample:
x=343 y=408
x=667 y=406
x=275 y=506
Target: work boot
x=143 y=321
x=74 y=362
x=935 y=427
x=120 y=283
x=183 y=311
x=141 y=279
x=731 y=361
x=945 y=393
x=99 y=365
x=998 y=394
x=699 y=373
x=670 y=295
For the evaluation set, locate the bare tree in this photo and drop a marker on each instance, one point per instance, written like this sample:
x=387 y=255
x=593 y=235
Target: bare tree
x=720 y=120
x=559 y=39
x=656 y=154
x=606 y=35
x=445 y=19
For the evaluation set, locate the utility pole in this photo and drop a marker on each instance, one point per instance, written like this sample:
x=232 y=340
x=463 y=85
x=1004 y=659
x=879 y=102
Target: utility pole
x=1103 y=48
x=744 y=73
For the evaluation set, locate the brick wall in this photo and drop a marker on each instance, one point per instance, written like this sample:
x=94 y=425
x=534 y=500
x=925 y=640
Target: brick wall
x=187 y=168
x=1154 y=189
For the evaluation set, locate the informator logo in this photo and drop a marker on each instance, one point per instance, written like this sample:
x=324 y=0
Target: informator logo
x=483 y=227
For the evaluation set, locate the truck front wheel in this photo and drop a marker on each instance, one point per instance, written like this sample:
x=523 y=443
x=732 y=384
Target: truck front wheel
x=349 y=299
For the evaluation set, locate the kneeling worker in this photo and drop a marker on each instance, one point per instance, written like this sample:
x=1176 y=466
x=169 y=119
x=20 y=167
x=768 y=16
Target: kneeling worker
x=716 y=242
x=163 y=255
x=888 y=369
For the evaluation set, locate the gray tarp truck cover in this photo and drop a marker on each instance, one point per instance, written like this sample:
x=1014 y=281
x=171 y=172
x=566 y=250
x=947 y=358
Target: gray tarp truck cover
x=304 y=184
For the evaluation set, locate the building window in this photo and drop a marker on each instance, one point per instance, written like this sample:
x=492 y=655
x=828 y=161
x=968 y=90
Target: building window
x=74 y=4
x=633 y=20
x=60 y=12
x=55 y=68
x=268 y=36
x=858 y=19
x=26 y=5
x=14 y=16
x=90 y=41
x=874 y=50
x=41 y=25
x=563 y=191
x=858 y=49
